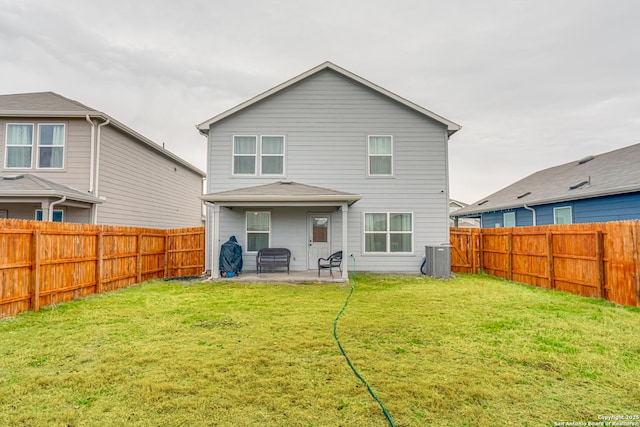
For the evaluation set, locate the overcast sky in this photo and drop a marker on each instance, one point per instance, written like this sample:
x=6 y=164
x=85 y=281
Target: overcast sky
x=533 y=83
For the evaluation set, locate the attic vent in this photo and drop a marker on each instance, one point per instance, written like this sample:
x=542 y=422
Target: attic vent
x=483 y=202
x=585 y=160
x=578 y=185
x=13 y=177
x=524 y=195
x=286 y=182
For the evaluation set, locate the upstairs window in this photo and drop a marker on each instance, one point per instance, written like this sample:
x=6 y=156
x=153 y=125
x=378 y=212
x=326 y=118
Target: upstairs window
x=50 y=146
x=19 y=145
x=244 y=155
x=272 y=155
x=380 y=155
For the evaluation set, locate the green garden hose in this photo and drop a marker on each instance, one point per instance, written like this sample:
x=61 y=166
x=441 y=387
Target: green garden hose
x=335 y=335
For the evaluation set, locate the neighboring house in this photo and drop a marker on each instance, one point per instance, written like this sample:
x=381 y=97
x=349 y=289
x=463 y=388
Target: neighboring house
x=64 y=161
x=324 y=162
x=455 y=205
x=598 y=188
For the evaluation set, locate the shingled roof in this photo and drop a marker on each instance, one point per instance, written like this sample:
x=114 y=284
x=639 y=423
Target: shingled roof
x=29 y=185
x=282 y=191
x=615 y=172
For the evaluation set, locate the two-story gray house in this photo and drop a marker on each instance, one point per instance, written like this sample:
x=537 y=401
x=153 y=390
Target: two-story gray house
x=324 y=162
x=64 y=161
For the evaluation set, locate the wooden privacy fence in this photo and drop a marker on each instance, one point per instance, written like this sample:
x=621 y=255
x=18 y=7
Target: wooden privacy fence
x=43 y=263
x=599 y=260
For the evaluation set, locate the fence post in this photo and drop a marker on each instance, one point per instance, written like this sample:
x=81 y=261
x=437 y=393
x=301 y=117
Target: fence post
x=35 y=272
x=510 y=255
x=139 y=257
x=552 y=281
x=166 y=254
x=99 y=261
x=600 y=263
x=481 y=251
x=636 y=267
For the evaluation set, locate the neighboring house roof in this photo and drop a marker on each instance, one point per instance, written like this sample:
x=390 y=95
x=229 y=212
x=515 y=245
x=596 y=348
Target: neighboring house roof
x=451 y=126
x=282 y=191
x=615 y=172
x=457 y=204
x=50 y=104
x=28 y=186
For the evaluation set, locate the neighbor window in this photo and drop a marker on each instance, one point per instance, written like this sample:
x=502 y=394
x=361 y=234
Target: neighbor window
x=244 y=155
x=509 y=219
x=388 y=232
x=19 y=145
x=50 y=146
x=272 y=155
x=258 y=230
x=562 y=215
x=380 y=155
x=58 y=215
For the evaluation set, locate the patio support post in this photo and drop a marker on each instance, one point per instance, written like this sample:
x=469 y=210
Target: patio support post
x=215 y=261
x=345 y=229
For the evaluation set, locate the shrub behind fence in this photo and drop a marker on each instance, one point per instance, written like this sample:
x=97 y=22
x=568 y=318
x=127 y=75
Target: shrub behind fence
x=43 y=263
x=599 y=260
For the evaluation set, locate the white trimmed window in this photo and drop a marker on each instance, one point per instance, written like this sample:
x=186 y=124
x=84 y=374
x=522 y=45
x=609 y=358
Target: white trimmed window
x=388 y=232
x=380 y=152
x=258 y=230
x=272 y=155
x=562 y=215
x=244 y=155
x=19 y=144
x=509 y=219
x=50 y=146
x=58 y=215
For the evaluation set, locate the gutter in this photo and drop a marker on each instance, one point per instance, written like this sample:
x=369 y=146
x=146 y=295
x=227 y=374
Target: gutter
x=93 y=142
x=533 y=211
x=97 y=169
x=51 y=205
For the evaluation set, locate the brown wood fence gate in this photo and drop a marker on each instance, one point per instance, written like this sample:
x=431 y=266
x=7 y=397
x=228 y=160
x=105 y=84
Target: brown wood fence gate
x=600 y=260
x=43 y=263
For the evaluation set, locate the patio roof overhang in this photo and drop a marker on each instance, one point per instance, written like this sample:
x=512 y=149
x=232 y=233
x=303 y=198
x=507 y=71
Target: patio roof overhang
x=282 y=193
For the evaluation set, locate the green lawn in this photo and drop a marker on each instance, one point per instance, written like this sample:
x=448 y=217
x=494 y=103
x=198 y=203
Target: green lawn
x=471 y=351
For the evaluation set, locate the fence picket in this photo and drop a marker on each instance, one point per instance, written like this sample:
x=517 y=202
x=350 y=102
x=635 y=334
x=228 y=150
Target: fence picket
x=48 y=263
x=596 y=260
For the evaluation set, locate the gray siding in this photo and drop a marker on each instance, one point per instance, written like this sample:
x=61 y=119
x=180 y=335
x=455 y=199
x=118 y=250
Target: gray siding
x=144 y=188
x=326 y=119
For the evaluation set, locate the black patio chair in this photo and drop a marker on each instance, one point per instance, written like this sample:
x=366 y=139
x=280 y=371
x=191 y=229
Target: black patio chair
x=334 y=261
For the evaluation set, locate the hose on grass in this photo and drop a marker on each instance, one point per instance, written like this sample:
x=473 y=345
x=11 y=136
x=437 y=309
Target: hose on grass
x=355 y=371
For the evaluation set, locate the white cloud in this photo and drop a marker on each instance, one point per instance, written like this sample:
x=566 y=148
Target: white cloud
x=533 y=84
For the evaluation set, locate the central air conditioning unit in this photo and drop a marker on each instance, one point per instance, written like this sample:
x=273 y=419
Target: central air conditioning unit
x=438 y=261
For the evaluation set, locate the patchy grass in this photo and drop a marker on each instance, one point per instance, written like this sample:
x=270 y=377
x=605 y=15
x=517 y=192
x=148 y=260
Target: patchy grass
x=472 y=351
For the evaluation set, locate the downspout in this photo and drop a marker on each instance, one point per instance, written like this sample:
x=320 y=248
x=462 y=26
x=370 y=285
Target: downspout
x=51 y=205
x=533 y=211
x=95 y=192
x=209 y=237
x=93 y=152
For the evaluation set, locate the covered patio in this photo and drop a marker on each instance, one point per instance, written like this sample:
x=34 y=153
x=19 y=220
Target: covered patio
x=280 y=195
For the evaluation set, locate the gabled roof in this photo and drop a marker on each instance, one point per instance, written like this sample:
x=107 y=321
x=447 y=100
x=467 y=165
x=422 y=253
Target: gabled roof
x=50 y=104
x=28 y=186
x=451 y=126
x=282 y=191
x=615 y=172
